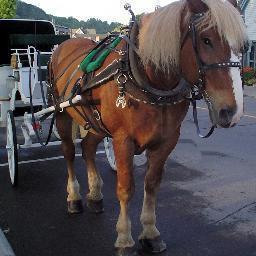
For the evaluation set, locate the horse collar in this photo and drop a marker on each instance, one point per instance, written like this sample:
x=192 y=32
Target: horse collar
x=138 y=85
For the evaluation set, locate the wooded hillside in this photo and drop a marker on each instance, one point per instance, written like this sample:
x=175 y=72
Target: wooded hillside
x=29 y=11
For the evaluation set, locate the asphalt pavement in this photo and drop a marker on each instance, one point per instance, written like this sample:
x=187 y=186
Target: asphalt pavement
x=205 y=180
x=250 y=91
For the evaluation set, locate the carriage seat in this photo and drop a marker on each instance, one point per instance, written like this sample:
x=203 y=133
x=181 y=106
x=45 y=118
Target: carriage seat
x=41 y=42
x=34 y=51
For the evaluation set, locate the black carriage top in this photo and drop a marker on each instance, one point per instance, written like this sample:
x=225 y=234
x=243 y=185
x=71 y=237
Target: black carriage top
x=18 y=33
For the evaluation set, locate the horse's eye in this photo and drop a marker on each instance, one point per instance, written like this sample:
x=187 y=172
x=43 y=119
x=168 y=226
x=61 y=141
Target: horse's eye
x=207 y=41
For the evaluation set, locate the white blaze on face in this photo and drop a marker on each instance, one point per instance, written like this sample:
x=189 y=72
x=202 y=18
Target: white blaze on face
x=237 y=89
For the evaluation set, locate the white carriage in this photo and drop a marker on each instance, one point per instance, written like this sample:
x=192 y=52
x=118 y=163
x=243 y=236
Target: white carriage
x=26 y=48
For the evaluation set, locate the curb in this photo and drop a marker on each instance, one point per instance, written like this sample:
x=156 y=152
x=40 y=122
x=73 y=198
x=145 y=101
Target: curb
x=5 y=248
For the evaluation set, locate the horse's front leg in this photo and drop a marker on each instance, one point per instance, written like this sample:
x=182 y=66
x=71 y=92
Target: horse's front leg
x=124 y=152
x=64 y=126
x=94 y=197
x=150 y=236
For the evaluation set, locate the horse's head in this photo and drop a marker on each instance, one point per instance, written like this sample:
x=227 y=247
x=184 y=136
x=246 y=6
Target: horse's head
x=202 y=41
x=210 y=57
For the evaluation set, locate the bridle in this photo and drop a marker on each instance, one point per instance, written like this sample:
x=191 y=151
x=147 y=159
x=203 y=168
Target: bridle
x=198 y=88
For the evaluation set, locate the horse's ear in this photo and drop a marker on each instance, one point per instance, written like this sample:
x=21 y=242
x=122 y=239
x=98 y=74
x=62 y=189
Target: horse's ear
x=197 y=6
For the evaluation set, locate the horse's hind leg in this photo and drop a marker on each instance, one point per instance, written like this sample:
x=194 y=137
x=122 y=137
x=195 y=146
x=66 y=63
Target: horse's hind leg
x=150 y=236
x=94 y=197
x=64 y=126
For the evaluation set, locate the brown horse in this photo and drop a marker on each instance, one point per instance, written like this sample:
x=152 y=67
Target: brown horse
x=193 y=40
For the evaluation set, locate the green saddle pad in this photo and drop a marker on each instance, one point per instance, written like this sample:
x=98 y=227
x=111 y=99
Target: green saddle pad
x=87 y=65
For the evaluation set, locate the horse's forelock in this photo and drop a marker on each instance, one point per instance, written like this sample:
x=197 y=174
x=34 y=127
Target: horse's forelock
x=227 y=20
x=159 y=37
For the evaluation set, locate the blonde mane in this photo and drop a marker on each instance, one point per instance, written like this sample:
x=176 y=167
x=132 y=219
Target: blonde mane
x=159 y=37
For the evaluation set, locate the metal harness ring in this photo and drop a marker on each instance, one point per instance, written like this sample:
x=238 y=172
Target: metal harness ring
x=122 y=77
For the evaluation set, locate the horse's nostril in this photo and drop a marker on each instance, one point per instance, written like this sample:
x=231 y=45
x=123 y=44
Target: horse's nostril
x=225 y=116
x=226 y=113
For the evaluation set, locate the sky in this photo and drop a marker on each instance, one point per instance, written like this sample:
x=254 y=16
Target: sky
x=111 y=10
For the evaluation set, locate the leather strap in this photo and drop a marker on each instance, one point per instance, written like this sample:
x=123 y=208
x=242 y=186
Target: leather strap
x=193 y=102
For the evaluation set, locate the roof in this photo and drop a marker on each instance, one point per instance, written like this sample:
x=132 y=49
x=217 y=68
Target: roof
x=10 y=27
x=91 y=31
x=77 y=31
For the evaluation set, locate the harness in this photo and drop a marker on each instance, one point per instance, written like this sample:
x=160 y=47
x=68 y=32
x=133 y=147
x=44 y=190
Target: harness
x=125 y=71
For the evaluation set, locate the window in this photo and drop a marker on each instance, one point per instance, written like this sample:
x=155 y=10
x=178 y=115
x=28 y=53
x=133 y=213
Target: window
x=253 y=55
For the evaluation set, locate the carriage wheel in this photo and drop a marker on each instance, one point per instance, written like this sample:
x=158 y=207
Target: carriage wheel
x=138 y=160
x=12 y=150
x=110 y=153
x=55 y=131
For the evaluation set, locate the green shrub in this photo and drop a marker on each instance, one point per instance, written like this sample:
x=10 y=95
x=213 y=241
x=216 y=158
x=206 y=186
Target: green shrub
x=249 y=75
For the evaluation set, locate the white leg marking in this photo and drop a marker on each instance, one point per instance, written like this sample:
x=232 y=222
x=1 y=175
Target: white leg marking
x=73 y=189
x=95 y=184
x=123 y=228
x=148 y=218
x=237 y=89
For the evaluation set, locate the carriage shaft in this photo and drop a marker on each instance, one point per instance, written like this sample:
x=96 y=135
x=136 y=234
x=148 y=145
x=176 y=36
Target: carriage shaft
x=63 y=105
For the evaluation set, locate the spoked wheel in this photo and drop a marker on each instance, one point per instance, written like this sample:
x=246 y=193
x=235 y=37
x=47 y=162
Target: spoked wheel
x=138 y=160
x=55 y=131
x=110 y=153
x=12 y=149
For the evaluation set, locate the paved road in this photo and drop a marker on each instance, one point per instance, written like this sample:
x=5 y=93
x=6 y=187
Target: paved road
x=204 y=181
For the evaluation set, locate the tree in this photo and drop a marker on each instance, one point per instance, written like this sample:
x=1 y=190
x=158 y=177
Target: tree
x=29 y=11
x=7 y=9
x=139 y=16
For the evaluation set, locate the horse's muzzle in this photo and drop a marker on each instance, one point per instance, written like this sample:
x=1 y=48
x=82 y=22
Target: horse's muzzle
x=225 y=117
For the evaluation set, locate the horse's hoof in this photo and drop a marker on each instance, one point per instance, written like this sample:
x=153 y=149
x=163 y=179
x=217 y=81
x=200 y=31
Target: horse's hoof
x=95 y=206
x=128 y=251
x=156 y=245
x=75 y=206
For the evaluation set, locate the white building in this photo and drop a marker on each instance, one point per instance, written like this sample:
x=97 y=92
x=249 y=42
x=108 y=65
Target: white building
x=76 y=33
x=248 y=8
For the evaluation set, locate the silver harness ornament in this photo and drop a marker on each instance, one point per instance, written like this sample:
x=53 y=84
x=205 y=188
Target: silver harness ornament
x=121 y=101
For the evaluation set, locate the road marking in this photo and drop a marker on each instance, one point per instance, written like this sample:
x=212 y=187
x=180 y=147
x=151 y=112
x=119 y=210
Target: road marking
x=5 y=248
x=250 y=116
x=201 y=108
x=48 y=159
